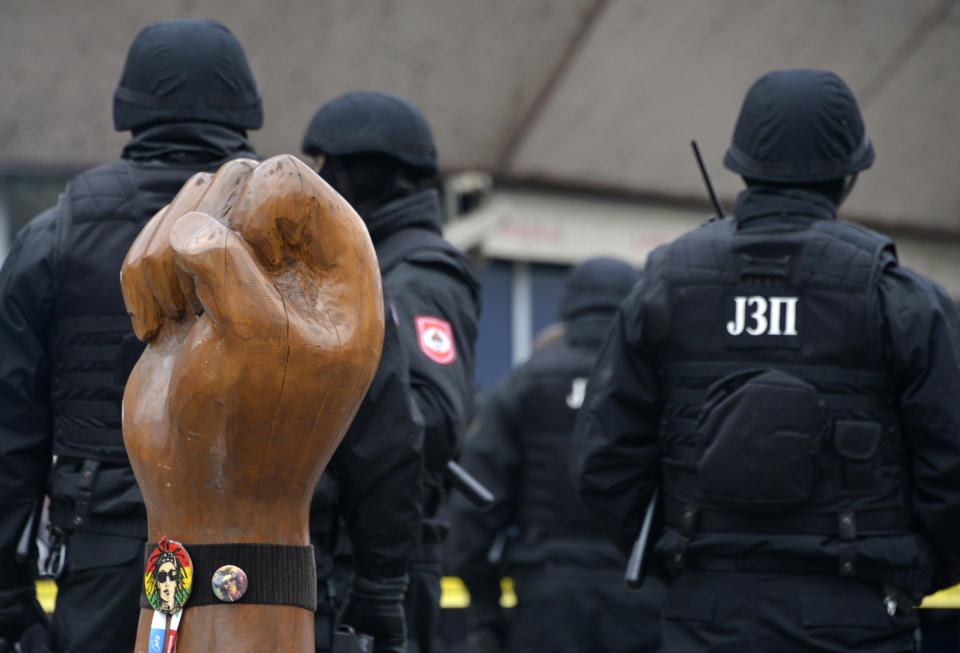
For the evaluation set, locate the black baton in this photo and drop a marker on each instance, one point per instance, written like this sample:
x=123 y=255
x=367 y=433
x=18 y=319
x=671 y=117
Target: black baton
x=470 y=487
x=636 y=566
x=27 y=544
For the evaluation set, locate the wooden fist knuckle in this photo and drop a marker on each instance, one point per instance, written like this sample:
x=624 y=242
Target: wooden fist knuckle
x=235 y=407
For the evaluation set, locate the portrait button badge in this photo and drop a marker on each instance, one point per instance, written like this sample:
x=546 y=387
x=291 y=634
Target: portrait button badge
x=229 y=583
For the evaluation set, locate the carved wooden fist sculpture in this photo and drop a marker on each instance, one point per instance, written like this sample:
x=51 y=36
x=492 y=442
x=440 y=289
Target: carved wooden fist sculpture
x=258 y=292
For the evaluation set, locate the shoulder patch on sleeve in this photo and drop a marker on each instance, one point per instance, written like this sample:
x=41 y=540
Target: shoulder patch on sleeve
x=435 y=337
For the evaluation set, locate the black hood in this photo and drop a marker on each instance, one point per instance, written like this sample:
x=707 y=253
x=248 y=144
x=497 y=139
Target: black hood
x=597 y=285
x=186 y=70
x=188 y=143
x=759 y=202
x=799 y=126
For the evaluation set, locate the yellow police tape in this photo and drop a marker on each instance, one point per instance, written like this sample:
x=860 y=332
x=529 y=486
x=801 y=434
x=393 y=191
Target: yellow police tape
x=948 y=598
x=47 y=594
x=455 y=595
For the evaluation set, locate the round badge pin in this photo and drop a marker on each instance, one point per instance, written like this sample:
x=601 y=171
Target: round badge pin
x=229 y=583
x=168 y=577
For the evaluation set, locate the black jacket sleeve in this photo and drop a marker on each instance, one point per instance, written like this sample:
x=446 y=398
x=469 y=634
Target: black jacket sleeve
x=615 y=456
x=442 y=384
x=491 y=453
x=923 y=334
x=25 y=433
x=378 y=466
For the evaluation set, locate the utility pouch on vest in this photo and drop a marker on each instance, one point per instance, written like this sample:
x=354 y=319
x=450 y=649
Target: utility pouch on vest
x=760 y=433
x=857 y=442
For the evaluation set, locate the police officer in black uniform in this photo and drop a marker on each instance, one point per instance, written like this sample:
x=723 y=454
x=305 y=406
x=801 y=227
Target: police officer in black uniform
x=795 y=393
x=377 y=150
x=370 y=496
x=188 y=96
x=567 y=575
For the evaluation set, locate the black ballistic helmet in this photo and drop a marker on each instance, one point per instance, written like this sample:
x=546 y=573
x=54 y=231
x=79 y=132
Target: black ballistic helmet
x=372 y=122
x=596 y=285
x=799 y=126
x=186 y=70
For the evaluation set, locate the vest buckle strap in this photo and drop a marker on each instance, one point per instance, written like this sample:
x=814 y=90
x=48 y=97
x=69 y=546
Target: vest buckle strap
x=688 y=520
x=848 y=561
x=679 y=555
x=847 y=526
x=88 y=476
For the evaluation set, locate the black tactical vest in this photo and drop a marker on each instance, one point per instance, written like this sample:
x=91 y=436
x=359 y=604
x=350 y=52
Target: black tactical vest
x=550 y=391
x=92 y=344
x=778 y=413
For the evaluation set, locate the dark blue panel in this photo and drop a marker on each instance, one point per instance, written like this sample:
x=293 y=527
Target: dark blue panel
x=546 y=288
x=493 y=338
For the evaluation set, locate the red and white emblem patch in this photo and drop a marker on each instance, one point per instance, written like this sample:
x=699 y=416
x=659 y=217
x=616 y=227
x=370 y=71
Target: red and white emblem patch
x=436 y=339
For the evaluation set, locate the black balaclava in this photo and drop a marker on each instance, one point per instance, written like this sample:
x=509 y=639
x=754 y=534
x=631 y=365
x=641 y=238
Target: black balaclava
x=368 y=181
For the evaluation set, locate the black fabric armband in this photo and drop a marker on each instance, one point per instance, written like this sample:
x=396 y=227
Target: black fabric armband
x=276 y=574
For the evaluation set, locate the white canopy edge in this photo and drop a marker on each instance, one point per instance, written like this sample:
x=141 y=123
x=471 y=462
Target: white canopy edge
x=556 y=228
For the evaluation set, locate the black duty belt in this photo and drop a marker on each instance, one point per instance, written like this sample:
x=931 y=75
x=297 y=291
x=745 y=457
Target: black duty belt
x=755 y=563
x=872 y=522
x=914 y=580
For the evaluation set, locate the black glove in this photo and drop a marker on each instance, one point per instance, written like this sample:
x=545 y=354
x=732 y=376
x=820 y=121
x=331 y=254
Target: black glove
x=22 y=619
x=375 y=608
x=36 y=639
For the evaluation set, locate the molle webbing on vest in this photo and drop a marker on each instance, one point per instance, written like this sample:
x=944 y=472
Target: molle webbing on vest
x=86 y=391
